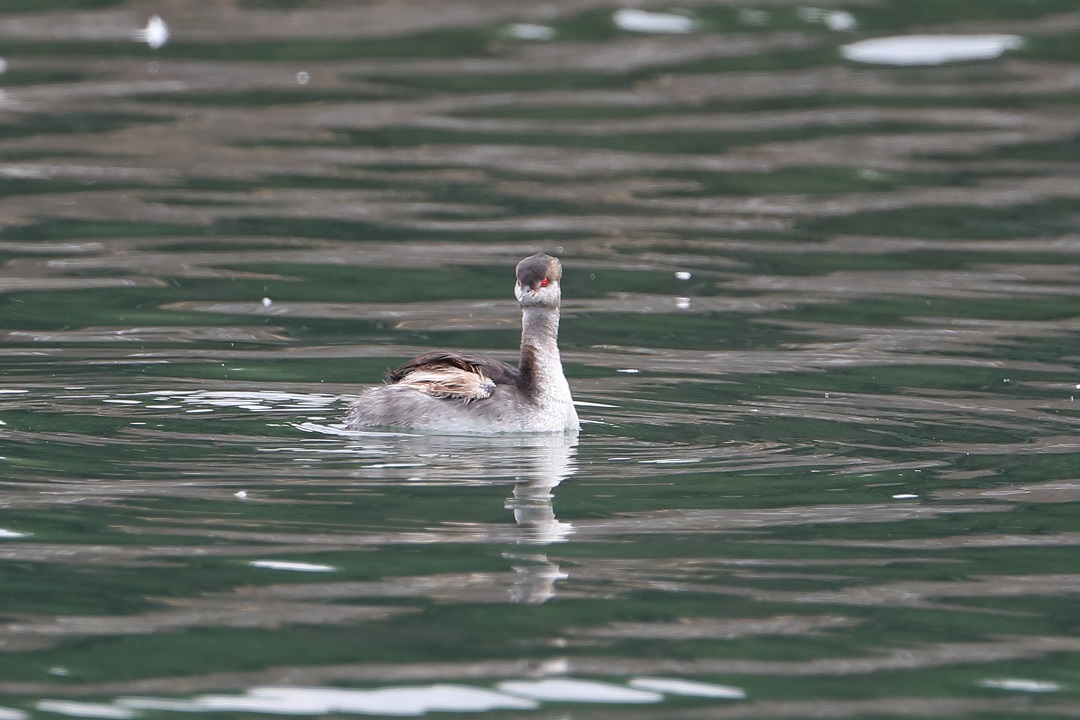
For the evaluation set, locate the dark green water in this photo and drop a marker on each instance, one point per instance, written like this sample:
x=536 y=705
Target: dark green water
x=821 y=317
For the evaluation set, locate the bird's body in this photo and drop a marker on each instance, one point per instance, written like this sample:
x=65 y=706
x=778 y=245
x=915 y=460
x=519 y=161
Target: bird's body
x=469 y=393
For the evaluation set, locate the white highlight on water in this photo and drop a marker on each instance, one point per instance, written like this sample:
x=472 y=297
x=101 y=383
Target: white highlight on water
x=155 y=34
x=675 y=686
x=1021 y=685
x=293 y=566
x=840 y=20
x=929 y=49
x=531 y=31
x=397 y=701
x=583 y=691
x=641 y=21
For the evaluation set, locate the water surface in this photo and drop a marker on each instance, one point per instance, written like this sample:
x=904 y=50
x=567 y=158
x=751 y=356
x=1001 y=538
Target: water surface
x=820 y=317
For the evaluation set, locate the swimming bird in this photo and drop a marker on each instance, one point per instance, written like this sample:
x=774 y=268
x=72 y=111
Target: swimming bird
x=451 y=392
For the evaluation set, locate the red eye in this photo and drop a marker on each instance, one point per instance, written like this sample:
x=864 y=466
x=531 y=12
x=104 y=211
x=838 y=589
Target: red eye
x=544 y=282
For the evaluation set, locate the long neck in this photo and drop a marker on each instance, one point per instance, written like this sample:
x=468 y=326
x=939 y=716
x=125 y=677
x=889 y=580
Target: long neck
x=540 y=362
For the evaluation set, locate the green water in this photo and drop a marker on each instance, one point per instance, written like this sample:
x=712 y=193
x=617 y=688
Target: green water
x=820 y=318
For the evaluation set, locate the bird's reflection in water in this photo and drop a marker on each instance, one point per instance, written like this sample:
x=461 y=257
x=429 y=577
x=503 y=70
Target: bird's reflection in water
x=535 y=464
x=549 y=461
x=544 y=462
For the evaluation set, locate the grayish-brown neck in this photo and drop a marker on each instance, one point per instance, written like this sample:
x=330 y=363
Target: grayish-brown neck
x=540 y=366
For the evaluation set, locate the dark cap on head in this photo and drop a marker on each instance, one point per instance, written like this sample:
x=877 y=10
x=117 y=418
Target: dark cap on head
x=534 y=269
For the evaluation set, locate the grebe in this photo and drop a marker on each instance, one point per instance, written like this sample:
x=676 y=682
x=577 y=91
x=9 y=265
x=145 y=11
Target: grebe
x=466 y=393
